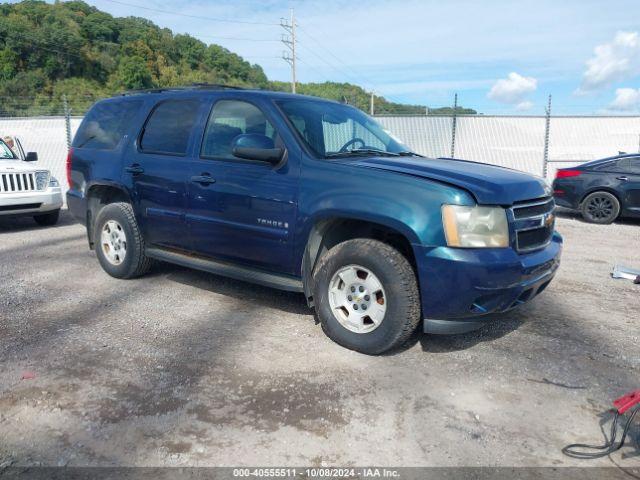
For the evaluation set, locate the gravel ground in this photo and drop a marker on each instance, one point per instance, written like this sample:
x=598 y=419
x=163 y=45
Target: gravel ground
x=186 y=368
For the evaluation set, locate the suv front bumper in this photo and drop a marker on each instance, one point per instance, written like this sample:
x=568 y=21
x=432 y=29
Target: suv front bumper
x=31 y=203
x=460 y=286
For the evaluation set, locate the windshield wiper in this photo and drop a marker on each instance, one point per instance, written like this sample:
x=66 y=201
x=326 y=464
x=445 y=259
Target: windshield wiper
x=361 y=151
x=410 y=154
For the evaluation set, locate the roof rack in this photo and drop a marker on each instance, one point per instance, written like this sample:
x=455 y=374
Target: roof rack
x=193 y=86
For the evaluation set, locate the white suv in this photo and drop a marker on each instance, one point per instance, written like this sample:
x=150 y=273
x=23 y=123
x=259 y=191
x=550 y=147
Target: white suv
x=26 y=190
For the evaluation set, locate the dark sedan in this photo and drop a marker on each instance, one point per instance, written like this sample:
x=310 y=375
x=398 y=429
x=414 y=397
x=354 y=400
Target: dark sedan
x=601 y=190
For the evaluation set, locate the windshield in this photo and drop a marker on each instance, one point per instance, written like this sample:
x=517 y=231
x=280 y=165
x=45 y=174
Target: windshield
x=333 y=130
x=5 y=152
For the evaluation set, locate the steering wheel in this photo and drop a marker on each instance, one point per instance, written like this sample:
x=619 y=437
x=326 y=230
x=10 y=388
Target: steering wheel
x=345 y=147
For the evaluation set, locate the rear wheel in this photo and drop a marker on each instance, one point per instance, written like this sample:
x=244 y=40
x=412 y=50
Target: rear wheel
x=600 y=207
x=119 y=243
x=366 y=296
x=47 y=219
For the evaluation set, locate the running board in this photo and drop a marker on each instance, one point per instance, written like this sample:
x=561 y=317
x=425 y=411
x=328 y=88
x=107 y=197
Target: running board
x=247 y=274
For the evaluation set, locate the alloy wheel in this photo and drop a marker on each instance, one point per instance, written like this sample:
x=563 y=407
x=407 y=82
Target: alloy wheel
x=600 y=208
x=357 y=299
x=113 y=241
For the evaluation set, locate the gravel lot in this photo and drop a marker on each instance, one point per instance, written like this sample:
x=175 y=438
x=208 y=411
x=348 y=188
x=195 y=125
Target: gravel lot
x=186 y=368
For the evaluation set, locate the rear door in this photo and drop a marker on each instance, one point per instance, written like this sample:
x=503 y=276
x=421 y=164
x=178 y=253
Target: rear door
x=246 y=211
x=631 y=186
x=157 y=167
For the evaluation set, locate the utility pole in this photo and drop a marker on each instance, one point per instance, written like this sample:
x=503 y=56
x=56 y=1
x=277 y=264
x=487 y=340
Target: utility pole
x=454 y=121
x=372 y=108
x=290 y=42
x=547 y=126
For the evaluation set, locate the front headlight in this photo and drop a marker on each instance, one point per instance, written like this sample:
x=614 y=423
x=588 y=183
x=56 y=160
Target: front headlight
x=475 y=227
x=42 y=180
x=53 y=182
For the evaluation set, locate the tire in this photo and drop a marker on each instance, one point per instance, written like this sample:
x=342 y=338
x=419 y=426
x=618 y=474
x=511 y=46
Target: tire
x=600 y=207
x=398 y=295
x=121 y=250
x=47 y=219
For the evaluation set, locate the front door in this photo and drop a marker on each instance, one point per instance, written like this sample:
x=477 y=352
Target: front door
x=241 y=210
x=157 y=167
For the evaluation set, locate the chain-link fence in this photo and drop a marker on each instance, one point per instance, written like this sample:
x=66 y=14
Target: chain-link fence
x=45 y=135
x=517 y=141
x=512 y=141
x=45 y=105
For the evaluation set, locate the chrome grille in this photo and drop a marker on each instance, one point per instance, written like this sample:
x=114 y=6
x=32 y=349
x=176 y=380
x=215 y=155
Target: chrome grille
x=17 y=182
x=534 y=223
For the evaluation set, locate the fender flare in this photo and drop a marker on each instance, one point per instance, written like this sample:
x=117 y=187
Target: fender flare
x=320 y=225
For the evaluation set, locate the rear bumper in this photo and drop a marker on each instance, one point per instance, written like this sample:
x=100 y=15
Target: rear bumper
x=460 y=286
x=567 y=193
x=31 y=203
x=566 y=201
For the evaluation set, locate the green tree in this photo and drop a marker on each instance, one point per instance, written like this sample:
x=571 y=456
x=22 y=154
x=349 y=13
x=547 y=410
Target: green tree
x=8 y=64
x=47 y=49
x=133 y=73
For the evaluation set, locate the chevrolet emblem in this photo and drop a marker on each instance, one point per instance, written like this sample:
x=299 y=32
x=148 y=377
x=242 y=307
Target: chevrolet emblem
x=549 y=219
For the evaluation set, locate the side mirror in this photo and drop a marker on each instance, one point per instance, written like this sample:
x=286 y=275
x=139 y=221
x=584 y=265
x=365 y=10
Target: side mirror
x=31 y=157
x=252 y=146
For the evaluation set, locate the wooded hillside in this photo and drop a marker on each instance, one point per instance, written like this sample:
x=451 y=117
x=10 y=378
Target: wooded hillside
x=72 y=48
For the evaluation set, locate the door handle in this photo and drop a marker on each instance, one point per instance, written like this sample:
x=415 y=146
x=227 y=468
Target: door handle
x=204 y=179
x=134 y=169
x=624 y=178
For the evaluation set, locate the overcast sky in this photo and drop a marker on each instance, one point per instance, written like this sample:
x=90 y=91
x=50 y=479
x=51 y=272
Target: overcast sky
x=499 y=56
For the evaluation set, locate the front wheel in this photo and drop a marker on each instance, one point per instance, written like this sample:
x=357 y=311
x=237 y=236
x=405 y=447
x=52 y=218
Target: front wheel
x=600 y=207
x=366 y=296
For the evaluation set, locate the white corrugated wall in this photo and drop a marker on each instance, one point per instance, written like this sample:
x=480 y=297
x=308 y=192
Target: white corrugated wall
x=515 y=142
x=46 y=136
x=518 y=142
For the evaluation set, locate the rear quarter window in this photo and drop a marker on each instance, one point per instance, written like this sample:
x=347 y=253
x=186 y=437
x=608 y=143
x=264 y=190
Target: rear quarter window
x=169 y=126
x=614 y=166
x=105 y=125
x=635 y=165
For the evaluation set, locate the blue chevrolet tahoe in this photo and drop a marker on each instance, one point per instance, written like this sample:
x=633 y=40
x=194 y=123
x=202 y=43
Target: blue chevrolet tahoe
x=309 y=195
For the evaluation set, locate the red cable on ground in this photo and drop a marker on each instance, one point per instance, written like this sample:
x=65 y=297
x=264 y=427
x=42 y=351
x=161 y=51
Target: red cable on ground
x=630 y=401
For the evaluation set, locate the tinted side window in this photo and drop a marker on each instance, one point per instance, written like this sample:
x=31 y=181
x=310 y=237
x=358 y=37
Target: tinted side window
x=635 y=165
x=623 y=165
x=168 y=128
x=620 y=165
x=105 y=124
x=228 y=119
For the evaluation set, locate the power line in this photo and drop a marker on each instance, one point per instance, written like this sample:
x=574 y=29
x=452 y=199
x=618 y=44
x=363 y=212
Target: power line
x=67 y=53
x=199 y=17
x=327 y=62
x=235 y=38
x=357 y=76
x=335 y=57
x=314 y=69
x=46 y=42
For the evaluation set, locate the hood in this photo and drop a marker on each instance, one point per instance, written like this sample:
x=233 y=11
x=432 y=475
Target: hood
x=10 y=166
x=489 y=184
